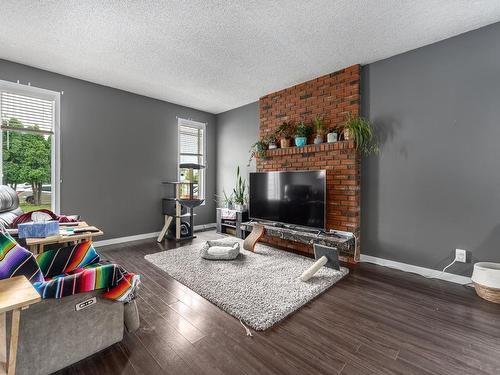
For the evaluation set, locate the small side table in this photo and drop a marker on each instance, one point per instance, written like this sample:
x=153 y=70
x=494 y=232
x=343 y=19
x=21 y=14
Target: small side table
x=16 y=294
x=37 y=245
x=234 y=225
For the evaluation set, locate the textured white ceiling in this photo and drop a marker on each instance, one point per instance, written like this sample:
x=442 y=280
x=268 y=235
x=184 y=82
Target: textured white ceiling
x=218 y=55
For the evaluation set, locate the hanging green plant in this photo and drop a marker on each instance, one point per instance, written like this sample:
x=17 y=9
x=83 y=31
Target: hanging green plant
x=360 y=130
x=258 y=151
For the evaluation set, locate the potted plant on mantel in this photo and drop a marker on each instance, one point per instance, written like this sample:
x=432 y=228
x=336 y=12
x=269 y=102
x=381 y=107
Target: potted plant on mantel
x=257 y=151
x=270 y=141
x=332 y=135
x=283 y=133
x=360 y=130
x=319 y=127
x=302 y=132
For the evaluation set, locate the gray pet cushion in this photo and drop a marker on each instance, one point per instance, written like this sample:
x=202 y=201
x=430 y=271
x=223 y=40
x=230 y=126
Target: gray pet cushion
x=220 y=250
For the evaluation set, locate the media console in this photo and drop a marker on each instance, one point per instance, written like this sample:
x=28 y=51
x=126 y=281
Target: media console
x=345 y=245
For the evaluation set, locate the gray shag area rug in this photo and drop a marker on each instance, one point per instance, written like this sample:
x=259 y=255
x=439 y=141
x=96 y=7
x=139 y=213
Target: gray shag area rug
x=259 y=288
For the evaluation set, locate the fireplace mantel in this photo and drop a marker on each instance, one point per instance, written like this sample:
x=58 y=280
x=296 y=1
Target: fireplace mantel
x=308 y=149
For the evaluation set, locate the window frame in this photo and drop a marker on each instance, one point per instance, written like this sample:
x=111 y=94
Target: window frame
x=55 y=158
x=198 y=125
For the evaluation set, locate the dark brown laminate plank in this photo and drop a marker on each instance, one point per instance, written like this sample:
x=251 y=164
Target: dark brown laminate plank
x=376 y=321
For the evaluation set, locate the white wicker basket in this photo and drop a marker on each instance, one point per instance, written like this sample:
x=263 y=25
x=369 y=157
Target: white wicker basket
x=486 y=279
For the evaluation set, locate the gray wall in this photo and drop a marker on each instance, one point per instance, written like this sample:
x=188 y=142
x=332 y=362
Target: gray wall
x=117 y=147
x=436 y=184
x=237 y=130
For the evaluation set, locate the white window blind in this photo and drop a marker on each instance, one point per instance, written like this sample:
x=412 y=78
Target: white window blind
x=192 y=149
x=35 y=114
x=190 y=140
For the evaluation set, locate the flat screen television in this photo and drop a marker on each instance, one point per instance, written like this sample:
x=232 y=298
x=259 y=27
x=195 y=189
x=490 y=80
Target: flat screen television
x=295 y=197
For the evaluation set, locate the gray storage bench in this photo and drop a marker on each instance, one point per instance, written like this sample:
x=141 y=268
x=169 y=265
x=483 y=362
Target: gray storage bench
x=54 y=334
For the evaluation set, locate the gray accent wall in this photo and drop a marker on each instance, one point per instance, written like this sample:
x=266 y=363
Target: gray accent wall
x=117 y=147
x=237 y=130
x=435 y=186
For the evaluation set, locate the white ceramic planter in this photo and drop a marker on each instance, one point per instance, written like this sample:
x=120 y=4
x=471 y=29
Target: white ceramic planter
x=272 y=146
x=331 y=137
x=318 y=140
x=240 y=207
x=487 y=274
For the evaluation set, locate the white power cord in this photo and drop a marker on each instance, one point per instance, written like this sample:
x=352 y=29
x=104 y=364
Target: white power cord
x=441 y=273
x=448 y=266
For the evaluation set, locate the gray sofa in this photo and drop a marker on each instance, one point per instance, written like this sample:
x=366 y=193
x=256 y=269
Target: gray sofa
x=53 y=334
x=9 y=206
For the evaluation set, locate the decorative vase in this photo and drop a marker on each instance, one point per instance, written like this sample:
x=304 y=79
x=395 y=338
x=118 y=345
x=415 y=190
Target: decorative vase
x=240 y=207
x=300 y=141
x=347 y=135
x=318 y=139
x=284 y=142
x=272 y=146
x=331 y=137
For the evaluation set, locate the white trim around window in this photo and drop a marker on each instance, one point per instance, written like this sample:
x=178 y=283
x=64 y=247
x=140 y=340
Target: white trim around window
x=36 y=92
x=202 y=155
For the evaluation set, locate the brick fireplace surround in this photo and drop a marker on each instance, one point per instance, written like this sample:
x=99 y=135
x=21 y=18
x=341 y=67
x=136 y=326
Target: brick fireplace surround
x=332 y=96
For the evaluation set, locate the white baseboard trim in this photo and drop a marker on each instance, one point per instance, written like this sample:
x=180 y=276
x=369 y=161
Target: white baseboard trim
x=198 y=228
x=144 y=236
x=137 y=237
x=426 y=272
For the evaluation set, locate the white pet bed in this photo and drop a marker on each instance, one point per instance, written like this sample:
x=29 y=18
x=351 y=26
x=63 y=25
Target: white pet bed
x=220 y=250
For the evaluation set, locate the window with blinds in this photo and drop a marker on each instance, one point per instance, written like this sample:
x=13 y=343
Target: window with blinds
x=192 y=150
x=29 y=156
x=26 y=113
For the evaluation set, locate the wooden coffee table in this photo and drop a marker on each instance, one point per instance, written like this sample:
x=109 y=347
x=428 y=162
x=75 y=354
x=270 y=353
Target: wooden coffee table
x=37 y=245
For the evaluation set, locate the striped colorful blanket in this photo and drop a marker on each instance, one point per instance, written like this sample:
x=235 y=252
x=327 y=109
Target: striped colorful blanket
x=15 y=260
x=118 y=282
x=66 y=271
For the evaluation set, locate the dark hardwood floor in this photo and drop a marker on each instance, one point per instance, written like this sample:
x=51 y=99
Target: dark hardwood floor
x=376 y=321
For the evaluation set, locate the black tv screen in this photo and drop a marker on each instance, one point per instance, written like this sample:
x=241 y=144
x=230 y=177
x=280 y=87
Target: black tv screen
x=288 y=197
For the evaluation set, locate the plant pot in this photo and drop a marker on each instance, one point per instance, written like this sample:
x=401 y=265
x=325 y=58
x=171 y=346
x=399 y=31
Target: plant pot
x=347 y=135
x=284 y=142
x=300 y=141
x=240 y=207
x=331 y=137
x=272 y=146
x=318 y=139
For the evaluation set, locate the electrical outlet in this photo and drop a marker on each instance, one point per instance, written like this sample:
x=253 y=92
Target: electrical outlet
x=461 y=255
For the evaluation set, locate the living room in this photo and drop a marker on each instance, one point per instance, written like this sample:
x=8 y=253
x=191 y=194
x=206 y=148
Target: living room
x=250 y=187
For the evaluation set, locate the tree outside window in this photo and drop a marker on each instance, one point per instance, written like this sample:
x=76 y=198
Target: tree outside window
x=27 y=161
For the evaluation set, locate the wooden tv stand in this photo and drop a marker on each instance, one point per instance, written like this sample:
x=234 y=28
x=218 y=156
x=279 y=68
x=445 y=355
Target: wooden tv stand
x=345 y=245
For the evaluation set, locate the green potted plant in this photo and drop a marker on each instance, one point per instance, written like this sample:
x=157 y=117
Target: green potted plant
x=283 y=133
x=360 y=130
x=319 y=127
x=302 y=132
x=257 y=151
x=227 y=200
x=239 y=192
x=270 y=140
x=332 y=135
